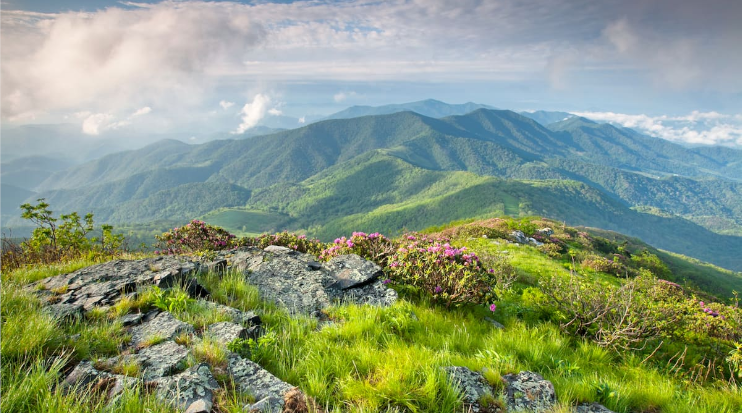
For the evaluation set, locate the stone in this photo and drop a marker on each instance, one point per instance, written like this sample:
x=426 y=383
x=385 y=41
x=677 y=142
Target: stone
x=196 y=290
x=131 y=319
x=351 y=271
x=547 y=232
x=218 y=266
x=277 y=249
x=246 y=318
x=592 y=408
x=266 y=405
x=164 y=325
x=251 y=378
x=85 y=376
x=160 y=360
x=472 y=385
x=103 y=285
x=226 y=332
x=495 y=323
x=65 y=312
x=519 y=237
x=529 y=392
x=191 y=390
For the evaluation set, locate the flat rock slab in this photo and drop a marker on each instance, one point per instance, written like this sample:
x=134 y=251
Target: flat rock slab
x=251 y=378
x=472 y=385
x=103 y=284
x=65 y=312
x=164 y=326
x=298 y=283
x=245 y=318
x=226 y=332
x=85 y=375
x=529 y=392
x=160 y=360
x=192 y=391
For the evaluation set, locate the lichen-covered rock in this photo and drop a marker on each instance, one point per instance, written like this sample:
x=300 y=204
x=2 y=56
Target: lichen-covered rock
x=84 y=376
x=191 y=390
x=592 y=408
x=131 y=319
x=251 y=378
x=159 y=360
x=226 y=332
x=65 y=312
x=472 y=385
x=246 y=318
x=351 y=271
x=164 y=326
x=103 y=284
x=529 y=392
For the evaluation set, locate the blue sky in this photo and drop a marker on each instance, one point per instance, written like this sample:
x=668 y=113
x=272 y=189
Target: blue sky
x=668 y=68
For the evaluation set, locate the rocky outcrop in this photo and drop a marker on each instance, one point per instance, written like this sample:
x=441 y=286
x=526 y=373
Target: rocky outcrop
x=300 y=284
x=85 y=376
x=528 y=391
x=162 y=327
x=192 y=391
x=153 y=362
x=592 y=408
x=226 y=332
x=473 y=386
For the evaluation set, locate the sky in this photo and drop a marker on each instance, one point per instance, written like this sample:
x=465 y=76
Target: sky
x=669 y=68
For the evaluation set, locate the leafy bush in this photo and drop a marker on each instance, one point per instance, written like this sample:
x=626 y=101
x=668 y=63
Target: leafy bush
x=602 y=264
x=196 y=236
x=374 y=247
x=291 y=240
x=449 y=274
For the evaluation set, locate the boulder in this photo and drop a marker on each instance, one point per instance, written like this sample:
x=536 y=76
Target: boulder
x=473 y=387
x=351 y=271
x=592 y=408
x=226 y=332
x=65 y=312
x=191 y=391
x=519 y=237
x=249 y=377
x=529 y=392
x=85 y=376
x=547 y=232
x=157 y=361
x=246 y=318
x=164 y=326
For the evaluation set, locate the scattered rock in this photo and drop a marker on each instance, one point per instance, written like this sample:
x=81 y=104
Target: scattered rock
x=528 y=391
x=519 y=237
x=251 y=378
x=495 y=323
x=547 y=232
x=103 y=284
x=65 y=312
x=534 y=242
x=276 y=249
x=157 y=361
x=226 y=332
x=164 y=325
x=472 y=385
x=191 y=390
x=85 y=375
x=131 y=319
x=246 y=318
x=592 y=408
x=352 y=271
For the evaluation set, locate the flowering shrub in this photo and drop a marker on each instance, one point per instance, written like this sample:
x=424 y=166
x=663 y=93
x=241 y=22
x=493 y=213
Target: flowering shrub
x=374 y=247
x=287 y=239
x=602 y=264
x=193 y=237
x=451 y=275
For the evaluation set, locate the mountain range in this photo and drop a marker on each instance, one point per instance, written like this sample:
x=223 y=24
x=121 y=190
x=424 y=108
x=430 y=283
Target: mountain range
x=390 y=171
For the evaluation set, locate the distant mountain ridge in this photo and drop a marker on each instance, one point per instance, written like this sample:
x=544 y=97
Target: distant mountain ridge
x=616 y=169
x=430 y=107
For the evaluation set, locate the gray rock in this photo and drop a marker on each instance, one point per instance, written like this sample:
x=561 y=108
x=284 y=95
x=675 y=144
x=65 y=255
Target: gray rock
x=103 y=284
x=226 y=332
x=592 y=408
x=545 y=231
x=160 y=360
x=218 y=266
x=495 y=323
x=472 y=385
x=251 y=378
x=277 y=249
x=164 y=325
x=534 y=242
x=266 y=405
x=84 y=375
x=289 y=281
x=528 y=391
x=191 y=390
x=351 y=271
x=131 y=319
x=519 y=237
x=65 y=312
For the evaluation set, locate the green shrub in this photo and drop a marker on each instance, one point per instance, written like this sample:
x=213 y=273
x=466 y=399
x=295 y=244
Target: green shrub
x=196 y=236
x=375 y=247
x=287 y=239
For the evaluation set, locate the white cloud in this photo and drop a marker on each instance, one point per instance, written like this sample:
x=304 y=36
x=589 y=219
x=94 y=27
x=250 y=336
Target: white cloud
x=274 y=112
x=253 y=112
x=143 y=111
x=702 y=128
x=225 y=104
x=95 y=123
x=302 y=120
x=341 y=96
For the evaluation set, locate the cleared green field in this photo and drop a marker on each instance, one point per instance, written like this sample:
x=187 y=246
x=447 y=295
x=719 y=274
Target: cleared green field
x=246 y=222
